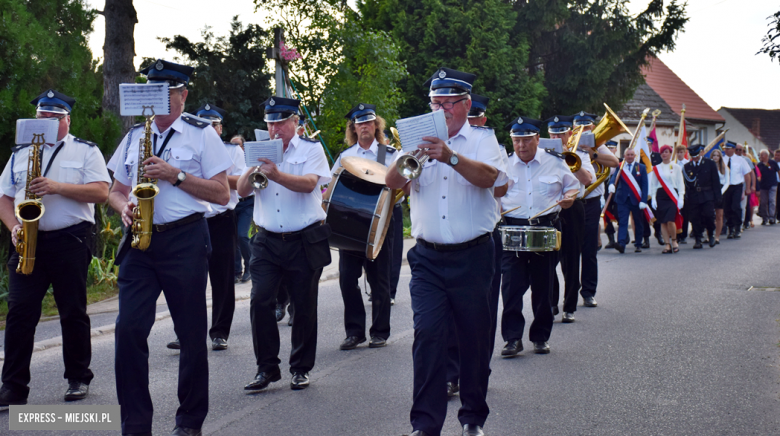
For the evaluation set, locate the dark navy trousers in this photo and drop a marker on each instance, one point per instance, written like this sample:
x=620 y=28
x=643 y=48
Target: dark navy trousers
x=222 y=232
x=573 y=234
x=243 y=211
x=590 y=248
x=624 y=209
x=398 y=248
x=448 y=286
x=175 y=263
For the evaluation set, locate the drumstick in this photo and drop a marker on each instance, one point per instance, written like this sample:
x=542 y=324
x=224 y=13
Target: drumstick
x=552 y=206
x=510 y=210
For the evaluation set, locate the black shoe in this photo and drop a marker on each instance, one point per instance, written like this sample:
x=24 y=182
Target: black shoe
x=512 y=348
x=697 y=245
x=76 y=391
x=589 y=302
x=764 y=222
x=737 y=235
x=472 y=430
x=418 y=433
x=262 y=380
x=660 y=240
x=246 y=277
x=731 y=235
x=184 y=431
x=351 y=342
x=681 y=241
x=638 y=249
x=713 y=241
x=174 y=345
x=611 y=242
x=452 y=389
x=568 y=317
x=377 y=342
x=219 y=344
x=646 y=243
x=300 y=380
x=555 y=310
x=9 y=398
x=541 y=348
x=620 y=247
x=771 y=221
x=281 y=310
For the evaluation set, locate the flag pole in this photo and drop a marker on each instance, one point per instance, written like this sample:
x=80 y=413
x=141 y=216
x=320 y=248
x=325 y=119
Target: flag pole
x=630 y=146
x=681 y=133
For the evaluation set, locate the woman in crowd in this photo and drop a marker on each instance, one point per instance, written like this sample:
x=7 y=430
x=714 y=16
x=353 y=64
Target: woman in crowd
x=723 y=173
x=666 y=208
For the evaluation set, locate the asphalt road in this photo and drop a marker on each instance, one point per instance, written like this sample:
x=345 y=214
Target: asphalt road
x=677 y=346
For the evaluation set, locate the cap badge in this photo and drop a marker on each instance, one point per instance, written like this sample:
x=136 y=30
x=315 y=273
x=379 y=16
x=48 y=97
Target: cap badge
x=159 y=65
x=207 y=107
x=272 y=102
x=582 y=113
x=442 y=74
x=50 y=94
x=555 y=119
x=361 y=107
x=520 y=120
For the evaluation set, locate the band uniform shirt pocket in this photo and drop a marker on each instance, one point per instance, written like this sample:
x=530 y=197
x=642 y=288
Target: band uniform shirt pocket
x=549 y=185
x=20 y=171
x=185 y=160
x=429 y=172
x=71 y=172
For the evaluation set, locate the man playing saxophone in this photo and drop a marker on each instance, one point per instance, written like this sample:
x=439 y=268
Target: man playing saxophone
x=189 y=163
x=72 y=178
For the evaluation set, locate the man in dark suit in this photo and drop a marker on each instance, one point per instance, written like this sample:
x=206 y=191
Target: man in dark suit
x=702 y=191
x=628 y=201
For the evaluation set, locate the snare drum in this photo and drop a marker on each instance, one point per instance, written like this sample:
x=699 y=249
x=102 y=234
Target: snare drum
x=530 y=238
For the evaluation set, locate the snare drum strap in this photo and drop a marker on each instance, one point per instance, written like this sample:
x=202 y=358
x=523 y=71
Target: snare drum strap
x=381 y=153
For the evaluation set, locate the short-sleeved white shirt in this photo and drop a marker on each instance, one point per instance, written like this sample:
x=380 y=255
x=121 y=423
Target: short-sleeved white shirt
x=370 y=154
x=445 y=207
x=537 y=185
x=238 y=168
x=198 y=151
x=280 y=210
x=76 y=163
x=599 y=190
x=737 y=169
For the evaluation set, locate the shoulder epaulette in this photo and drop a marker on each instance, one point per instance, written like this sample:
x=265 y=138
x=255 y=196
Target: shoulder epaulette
x=90 y=143
x=304 y=138
x=190 y=119
x=135 y=126
x=483 y=127
x=390 y=149
x=554 y=153
x=510 y=154
x=19 y=147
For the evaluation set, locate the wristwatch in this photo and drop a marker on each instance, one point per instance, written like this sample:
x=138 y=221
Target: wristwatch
x=180 y=178
x=595 y=156
x=453 y=158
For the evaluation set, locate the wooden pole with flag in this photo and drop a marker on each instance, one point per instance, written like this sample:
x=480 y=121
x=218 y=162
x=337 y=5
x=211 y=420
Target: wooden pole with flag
x=655 y=148
x=630 y=146
x=714 y=142
x=682 y=137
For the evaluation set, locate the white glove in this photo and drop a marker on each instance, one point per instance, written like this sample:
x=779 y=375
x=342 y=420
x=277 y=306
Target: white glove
x=654 y=203
x=680 y=203
x=643 y=205
x=611 y=189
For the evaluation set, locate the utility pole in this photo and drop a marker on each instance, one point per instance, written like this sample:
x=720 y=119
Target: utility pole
x=275 y=53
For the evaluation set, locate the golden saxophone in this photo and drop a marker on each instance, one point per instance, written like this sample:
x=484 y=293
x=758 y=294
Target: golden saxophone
x=30 y=211
x=145 y=191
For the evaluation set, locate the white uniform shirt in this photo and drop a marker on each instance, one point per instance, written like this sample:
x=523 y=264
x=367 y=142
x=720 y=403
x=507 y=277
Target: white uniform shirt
x=77 y=163
x=238 y=168
x=537 y=185
x=738 y=169
x=588 y=166
x=370 y=154
x=505 y=163
x=599 y=190
x=197 y=151
x=280 y=210
x=445 y=207
x=673 y=177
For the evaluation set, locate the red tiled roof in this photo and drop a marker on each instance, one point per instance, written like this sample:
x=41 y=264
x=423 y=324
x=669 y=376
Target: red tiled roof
x=675 y=92
x=762 y=123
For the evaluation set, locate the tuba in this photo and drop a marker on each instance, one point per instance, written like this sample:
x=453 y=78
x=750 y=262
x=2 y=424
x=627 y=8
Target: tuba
x=30 y=211
x=145 y=190
x=606 y=129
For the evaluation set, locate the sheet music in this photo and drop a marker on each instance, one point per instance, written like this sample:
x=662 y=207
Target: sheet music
x=270 y=149
x=411 y=130
x=588 y=139
x=25 y=128
x=551 y=144
x=133 y=97
x=262 y=135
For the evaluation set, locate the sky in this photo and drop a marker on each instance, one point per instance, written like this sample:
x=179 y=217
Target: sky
x=715 y=56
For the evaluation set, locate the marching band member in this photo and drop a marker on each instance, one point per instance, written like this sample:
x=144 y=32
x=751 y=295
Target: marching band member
x=668 y=197
x=189 y=164
x=453 y=213
x=365 y=138
x=572 y=223
x=739 y=177
x=291 y=245
x=73 y=177
x=537 y=179
x=702 y=192
x=630 y=202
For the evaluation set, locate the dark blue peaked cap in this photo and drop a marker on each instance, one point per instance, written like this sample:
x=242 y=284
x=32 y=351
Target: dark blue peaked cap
x=584 y=119
x=211 y=112
x=559 y=124
x=694 y=150
x=362 y=113
x=176 y=75
x=280 y=108
x=53 y=101
x=479 y=105
x=522 y=127
x=730 y=144
x=446 y=81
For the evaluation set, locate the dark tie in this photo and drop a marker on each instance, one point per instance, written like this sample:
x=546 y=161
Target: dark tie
x=729 y=163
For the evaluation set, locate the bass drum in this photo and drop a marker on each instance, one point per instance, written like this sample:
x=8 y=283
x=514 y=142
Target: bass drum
x=358 y=213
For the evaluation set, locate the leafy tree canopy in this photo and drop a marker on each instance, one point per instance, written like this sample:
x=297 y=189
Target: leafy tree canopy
x=770 y=40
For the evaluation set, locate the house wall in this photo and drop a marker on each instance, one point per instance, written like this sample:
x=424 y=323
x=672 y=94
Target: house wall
x=739 y=133
x=667 y=135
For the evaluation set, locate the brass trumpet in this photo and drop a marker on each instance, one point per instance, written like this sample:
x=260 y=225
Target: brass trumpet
x=570 y=155
x=410 y=165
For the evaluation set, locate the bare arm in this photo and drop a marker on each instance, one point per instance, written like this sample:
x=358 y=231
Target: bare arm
x=118 y=199
x=95 y=192
x=395 y=180
x=213 y=190
x=477 y=173
x=7 y=212
x=584 y=176
x=233 y=182
x=501 y=191
x=568 y=198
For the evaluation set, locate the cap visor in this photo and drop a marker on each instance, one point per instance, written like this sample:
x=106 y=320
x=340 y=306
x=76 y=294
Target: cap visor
x=275 y=117
x=364 y=119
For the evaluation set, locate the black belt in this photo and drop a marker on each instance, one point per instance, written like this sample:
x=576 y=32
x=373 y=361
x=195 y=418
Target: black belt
x=246 y=198
x=592 y=199
x=290 y=236
x=550 y=220
x=178 y=223
x=46 y=234
x=454 y=247
x=224 y=214
x=705 y=188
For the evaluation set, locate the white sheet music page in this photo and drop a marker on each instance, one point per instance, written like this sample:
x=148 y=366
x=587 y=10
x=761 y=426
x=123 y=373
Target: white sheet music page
x=26 y=128
x=411 y=130
x=554 y=144
x=271 y=150
x=262 y=135
x=135 y=97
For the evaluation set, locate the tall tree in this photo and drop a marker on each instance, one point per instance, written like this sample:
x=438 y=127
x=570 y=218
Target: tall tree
x=770 y=40
x=118 y=53
x=230 y=72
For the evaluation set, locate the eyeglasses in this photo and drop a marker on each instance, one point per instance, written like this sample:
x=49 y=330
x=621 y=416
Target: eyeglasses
x=38 y=116
x=446 y=106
